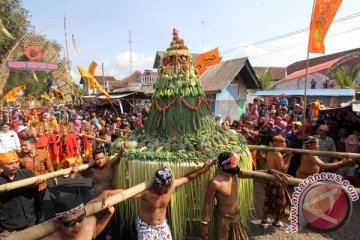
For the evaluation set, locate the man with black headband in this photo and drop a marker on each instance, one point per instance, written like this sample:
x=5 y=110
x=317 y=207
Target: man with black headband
x=224 y=188
x=71 y=217
x=313 y=164
x=151 y=223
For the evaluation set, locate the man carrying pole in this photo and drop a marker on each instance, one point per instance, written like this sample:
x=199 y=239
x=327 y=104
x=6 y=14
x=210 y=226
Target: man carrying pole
x=151 y=223
x=310 y=165
x=72 y=220
x=224 y=188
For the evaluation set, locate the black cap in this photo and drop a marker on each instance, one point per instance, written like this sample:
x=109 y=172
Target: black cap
x=66 y=203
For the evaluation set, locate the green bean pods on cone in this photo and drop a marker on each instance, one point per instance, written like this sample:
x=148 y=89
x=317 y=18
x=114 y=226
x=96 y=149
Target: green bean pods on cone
x=180 y=134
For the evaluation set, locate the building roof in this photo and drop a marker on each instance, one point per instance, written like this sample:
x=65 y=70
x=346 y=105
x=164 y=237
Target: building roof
x=100 y=79
x=296 y=66
x=219 y=76
x=309 y=92
x=320 y=68
x=133 y=77
x=160 y=55
x=277 y=73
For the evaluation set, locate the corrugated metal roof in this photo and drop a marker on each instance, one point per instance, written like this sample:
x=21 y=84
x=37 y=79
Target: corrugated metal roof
x=219 y=76
x=309 y=92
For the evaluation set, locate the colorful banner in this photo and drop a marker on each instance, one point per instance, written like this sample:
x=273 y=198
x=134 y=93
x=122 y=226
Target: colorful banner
x=206 y=60
x=39 y=66
x=323 y=15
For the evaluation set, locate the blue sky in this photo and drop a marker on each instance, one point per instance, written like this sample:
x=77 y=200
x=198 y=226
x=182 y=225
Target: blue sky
x=101 y=29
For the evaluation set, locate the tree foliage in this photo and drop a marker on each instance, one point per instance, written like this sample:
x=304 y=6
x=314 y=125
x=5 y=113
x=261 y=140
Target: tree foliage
x=266 y=79
x=346 y=76
x=16 y=20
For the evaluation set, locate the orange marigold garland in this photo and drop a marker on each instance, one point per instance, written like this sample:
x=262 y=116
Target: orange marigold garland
x=206 y=104
x=160 y=109
x=188 y=105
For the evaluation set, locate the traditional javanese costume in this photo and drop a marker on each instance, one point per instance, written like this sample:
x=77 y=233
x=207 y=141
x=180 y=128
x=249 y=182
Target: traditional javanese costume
x=228 y=227
x=54 y=138
x=68 y=150
x=277 y=200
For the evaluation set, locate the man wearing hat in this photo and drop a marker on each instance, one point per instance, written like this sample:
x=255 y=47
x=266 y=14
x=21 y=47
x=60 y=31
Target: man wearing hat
x=313 y=164
x=326 y=143
x=151 y=222
x=71 y=217
x=17 y=207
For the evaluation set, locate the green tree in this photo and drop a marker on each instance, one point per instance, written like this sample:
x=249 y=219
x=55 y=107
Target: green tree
x=16 y=20
x=346 y=76
x=266 y=79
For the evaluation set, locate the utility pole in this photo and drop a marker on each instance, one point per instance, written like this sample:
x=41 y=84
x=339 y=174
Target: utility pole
x=67 y=65
x=202 y=33
x=103 y=76
x=130 y=53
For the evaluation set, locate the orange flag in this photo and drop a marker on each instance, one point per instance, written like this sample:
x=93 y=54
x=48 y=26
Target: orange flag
x=14 y=93
x=206 y=60
x=45 y=96
x=324 y=13
x=58 y=94
x=92 y=83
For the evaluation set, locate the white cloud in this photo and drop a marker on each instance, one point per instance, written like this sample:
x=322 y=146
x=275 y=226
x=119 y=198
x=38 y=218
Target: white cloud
x=140 y=62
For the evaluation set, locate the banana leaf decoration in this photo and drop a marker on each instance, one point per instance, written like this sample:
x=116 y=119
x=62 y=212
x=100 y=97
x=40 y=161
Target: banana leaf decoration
x=5 y=31
x=180 y=134
x=75 y=45
x=14 y=93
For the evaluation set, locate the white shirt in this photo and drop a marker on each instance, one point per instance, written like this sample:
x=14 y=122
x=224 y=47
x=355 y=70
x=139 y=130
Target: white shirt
x=9 y=141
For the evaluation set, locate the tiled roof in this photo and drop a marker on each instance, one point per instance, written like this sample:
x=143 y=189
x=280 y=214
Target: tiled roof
x=296 y=66
x=277 y=73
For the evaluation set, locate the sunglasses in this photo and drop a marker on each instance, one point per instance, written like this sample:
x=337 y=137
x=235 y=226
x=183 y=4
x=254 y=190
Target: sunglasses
x=72 y=223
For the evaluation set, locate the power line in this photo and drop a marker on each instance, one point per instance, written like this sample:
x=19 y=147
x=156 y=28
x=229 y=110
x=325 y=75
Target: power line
x=302 y=43
x=285 y=35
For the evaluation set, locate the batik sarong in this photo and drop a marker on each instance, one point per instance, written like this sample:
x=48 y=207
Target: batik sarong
x=147 y=231
x=277 y=200
x=228 y=227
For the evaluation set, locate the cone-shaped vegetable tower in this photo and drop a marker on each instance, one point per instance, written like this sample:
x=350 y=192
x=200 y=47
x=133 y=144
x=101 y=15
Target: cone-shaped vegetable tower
x=179 y=134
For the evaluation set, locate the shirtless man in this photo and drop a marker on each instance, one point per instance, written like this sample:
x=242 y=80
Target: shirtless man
x=277 y=199
x=72 y=219
x=151 y=223
x=313 y=164
x=224 y=188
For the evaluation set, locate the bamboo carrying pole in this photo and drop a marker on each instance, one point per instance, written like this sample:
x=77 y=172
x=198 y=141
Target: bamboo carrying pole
x=263 y=175
x=48 y=227
x=306 y=151
x=279 y=149
x=47 y=176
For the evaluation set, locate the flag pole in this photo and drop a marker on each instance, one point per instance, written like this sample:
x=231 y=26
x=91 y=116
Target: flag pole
x=306 y=78
x=103 y=78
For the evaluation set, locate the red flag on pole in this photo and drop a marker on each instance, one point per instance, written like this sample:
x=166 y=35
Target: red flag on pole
x=323 y=15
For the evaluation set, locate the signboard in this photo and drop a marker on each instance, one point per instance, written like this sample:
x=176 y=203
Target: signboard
x=38 y=66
